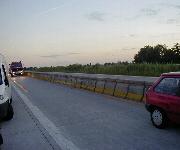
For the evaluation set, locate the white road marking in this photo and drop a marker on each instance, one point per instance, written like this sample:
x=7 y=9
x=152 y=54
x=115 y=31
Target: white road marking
x=21 y=87
x=55 y=132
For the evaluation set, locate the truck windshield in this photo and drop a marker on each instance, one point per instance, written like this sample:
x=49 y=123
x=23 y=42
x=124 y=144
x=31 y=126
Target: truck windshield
x=17 y=69
x=1 y=78
x=16 y=65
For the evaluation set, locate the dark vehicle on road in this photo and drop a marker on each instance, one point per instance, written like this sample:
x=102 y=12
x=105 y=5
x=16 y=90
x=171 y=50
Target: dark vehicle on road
x=16 y=68
x=163 y=100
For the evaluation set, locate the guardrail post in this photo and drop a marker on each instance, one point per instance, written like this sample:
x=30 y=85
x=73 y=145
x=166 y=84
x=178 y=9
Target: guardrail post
x=75 y=82
x=86 y=87
x=52 y=78
x=114 y=88
x=104 y=86
x=81 y=84
x=71 y=80
x=127 y=91
x=64 y=80
x=143 y=92
x=95 y=85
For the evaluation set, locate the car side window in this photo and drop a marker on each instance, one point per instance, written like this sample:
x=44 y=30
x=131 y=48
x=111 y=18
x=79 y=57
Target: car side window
x=5 y=76
x=169 y=86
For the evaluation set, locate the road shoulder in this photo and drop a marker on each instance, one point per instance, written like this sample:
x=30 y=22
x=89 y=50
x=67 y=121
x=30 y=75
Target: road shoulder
x=24 y=131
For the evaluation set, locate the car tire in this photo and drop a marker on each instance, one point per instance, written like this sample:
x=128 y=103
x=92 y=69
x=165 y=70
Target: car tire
x=10 y=113
x=158 y=118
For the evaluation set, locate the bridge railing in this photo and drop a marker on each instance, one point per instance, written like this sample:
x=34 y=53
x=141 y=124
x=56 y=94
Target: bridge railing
x=127 y=89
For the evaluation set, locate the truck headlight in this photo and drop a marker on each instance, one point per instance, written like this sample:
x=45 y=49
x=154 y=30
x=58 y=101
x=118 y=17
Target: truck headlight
x=1 y=97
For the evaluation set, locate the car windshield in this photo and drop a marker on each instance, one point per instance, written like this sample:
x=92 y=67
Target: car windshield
x=0 y=78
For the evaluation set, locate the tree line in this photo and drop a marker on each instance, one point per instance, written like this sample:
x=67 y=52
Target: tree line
x=160 y=54
x=153 y=58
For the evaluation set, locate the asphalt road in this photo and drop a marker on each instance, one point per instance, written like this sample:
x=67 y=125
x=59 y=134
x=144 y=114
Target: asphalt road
x=24 y=132
x=48 y=115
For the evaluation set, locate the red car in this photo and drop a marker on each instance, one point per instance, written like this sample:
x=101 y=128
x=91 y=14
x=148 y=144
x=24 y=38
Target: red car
x=163 y=100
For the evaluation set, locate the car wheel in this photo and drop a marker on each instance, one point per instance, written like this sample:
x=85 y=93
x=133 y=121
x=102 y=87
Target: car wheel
x=158 y=118
x=10 y=113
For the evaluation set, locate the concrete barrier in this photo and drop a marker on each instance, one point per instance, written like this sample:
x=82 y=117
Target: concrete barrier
x=100 y=84
x=121 y=90
x=127 y=89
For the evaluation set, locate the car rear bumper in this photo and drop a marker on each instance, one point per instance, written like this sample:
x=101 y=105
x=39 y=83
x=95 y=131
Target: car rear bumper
x=4 y=109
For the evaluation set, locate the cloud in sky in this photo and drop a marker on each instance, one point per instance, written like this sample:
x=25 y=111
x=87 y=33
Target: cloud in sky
x=177 y=6
x=48 y=11
x=132 y=35
x=58 y=55
x=128 y=48
x=150 y=11
x=145 y=12
x=96 y=15
x=173 y=21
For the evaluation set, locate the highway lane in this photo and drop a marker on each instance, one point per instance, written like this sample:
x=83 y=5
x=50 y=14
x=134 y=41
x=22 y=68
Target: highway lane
x=97 y=122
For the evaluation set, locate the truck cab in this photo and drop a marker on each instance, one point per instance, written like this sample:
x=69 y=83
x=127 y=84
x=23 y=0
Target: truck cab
x=16 y=69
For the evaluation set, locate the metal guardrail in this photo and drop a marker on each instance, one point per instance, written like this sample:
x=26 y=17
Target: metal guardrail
x=127 y=89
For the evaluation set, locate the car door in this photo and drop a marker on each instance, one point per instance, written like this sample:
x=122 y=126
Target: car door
x=161 y=94
x=174 y=101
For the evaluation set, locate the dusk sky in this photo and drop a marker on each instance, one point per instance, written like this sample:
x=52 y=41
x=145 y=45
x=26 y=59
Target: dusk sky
x=62 y=32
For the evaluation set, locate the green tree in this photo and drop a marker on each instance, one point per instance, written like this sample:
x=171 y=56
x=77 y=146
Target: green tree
x=176 y=50
x=158 y=54
x=149 y=54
